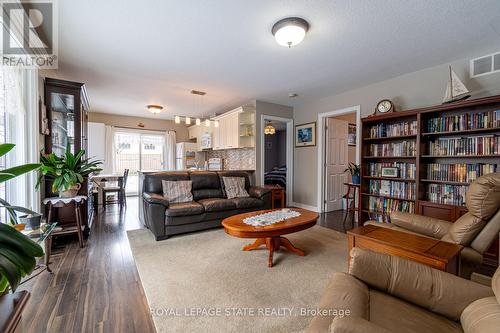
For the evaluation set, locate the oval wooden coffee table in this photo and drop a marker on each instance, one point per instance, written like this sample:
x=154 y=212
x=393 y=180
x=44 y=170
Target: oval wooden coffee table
x=270 y=235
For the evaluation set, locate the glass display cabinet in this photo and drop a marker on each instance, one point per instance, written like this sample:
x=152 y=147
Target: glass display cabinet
x=67 y=114
x=67 y=117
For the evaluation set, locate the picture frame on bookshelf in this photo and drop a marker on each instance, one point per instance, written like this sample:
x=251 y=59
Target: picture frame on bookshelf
x=305 y=135
x=390 y=172
x=351 y=135
x=385 y=187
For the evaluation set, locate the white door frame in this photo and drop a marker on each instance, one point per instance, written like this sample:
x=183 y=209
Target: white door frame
x=289 y=152
x=322 y=147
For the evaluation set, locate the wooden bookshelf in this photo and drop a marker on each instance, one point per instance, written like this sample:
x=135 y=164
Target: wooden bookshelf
x=432 y=126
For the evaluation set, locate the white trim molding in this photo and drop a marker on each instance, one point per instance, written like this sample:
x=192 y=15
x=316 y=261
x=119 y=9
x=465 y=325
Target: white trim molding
x=289 y=153
x=321 y=146
x=304 y=206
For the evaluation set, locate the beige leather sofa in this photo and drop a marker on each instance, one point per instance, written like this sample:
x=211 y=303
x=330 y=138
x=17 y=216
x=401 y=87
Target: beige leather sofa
x=389 y=294
x=476 y=230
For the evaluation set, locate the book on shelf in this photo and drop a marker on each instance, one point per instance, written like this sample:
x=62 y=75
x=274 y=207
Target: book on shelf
x=393 y=149
x=447 y=194
x=380 y=208
x=474 y=145
x=391 y=130
x=463 y=173
x=392 y=188
x=405 y=170
x=464 y=122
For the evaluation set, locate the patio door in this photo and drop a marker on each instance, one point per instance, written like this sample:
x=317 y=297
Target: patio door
x=137 y=151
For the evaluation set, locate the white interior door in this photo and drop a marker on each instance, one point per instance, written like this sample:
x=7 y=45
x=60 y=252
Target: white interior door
x=336 y=162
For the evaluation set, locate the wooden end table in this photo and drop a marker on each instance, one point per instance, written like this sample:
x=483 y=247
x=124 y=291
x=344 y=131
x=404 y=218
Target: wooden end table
x=270 y=235
x=428 y=251
x=277 y=193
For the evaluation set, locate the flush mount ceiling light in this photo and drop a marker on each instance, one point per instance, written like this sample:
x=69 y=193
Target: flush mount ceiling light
x=290 y=31
x=154 y=109
x=269 y=129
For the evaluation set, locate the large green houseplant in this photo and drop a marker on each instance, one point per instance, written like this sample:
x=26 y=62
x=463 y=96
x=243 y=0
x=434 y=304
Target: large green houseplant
x=67 y=172
x=17 y=252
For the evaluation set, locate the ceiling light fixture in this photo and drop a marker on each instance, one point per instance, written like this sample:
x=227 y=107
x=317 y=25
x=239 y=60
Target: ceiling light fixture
x=290 y=31
x=269 y=129
x=154 y=109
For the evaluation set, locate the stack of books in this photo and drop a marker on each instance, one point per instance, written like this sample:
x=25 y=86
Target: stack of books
x=464 y=122
x=391 y=188
x=447 y=194
x=406 y=170
x=399 y=129
x=464 y=173
x=404 y=148
x=476 y=145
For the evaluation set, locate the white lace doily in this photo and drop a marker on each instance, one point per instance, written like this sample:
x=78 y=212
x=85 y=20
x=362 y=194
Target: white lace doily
x=271 y=217
x=55 y=200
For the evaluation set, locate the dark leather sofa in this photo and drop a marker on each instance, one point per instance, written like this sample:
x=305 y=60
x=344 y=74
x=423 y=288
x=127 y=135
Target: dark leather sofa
x=210 y=205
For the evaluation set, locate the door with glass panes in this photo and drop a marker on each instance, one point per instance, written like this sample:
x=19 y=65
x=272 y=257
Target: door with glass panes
x=137 y=151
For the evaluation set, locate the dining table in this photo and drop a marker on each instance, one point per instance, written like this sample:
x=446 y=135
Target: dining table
x=100 y=181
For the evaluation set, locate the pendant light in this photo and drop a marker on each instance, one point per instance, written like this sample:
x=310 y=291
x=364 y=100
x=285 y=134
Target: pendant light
x=269 y=129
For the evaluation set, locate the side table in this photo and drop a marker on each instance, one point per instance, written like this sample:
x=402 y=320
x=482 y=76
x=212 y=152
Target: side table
x=57 y=202
x=277 y=193
x=351 y=207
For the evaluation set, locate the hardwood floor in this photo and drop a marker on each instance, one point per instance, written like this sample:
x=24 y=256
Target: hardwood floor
x=97 y=288
x=94 y=289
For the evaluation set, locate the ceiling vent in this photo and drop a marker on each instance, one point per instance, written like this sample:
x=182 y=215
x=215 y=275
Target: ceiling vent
x=485 y=65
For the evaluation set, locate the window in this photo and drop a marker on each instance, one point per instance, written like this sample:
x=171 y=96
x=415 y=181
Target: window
x=18 y=125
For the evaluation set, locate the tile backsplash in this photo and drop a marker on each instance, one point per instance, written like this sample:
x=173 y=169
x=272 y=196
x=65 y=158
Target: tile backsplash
x=235 y=159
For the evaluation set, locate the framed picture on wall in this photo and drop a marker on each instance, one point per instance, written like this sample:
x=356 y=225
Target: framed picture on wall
x=351 y=135
x=305 y=135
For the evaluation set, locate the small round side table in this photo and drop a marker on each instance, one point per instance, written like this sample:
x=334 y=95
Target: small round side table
x=56 y=202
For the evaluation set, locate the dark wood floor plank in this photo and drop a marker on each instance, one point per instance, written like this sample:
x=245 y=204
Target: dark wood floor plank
x=94 y=289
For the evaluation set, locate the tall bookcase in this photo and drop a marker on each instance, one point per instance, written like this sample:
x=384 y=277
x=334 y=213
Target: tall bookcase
x=436 y=152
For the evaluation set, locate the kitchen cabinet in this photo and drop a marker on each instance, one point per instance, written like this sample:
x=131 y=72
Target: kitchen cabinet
x=196 y=131
x=236 y=130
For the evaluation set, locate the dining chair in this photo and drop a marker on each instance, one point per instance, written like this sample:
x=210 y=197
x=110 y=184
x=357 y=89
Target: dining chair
x=118 y=189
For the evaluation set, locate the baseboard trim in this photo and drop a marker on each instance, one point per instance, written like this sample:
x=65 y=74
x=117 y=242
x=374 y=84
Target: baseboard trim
x=308 y=207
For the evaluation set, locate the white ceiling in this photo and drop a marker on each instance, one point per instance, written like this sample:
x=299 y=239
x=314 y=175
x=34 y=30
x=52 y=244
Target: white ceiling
x=133 y=53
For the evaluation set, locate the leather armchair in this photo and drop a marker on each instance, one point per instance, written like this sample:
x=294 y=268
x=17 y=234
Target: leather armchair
x=383 y=293
x=476 y=230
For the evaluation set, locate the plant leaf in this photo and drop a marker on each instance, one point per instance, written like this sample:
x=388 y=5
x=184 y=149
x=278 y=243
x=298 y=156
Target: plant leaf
x=17 y=171
x=11 y=272
x=5 y=148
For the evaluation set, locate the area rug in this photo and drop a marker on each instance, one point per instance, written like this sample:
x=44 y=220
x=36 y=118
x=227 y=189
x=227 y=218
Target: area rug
x=204 y=282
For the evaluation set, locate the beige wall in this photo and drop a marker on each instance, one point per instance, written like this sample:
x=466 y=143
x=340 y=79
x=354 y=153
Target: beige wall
x=417 y=89
x=149 y=123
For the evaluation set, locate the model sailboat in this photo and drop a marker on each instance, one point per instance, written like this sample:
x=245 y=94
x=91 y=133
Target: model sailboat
x=455 y=90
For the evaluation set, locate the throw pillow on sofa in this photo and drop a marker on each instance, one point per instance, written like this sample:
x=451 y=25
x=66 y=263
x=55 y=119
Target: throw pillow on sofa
x=235 y=187
x=177 y=191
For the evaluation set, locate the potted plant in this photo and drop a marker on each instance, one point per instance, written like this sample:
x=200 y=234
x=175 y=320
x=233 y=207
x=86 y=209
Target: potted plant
x=67 y=172
x=17 y=252
x=354 y=170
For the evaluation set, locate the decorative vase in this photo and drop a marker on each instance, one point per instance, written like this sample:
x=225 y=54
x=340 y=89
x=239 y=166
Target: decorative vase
x=71 y=192
x=355 y=180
